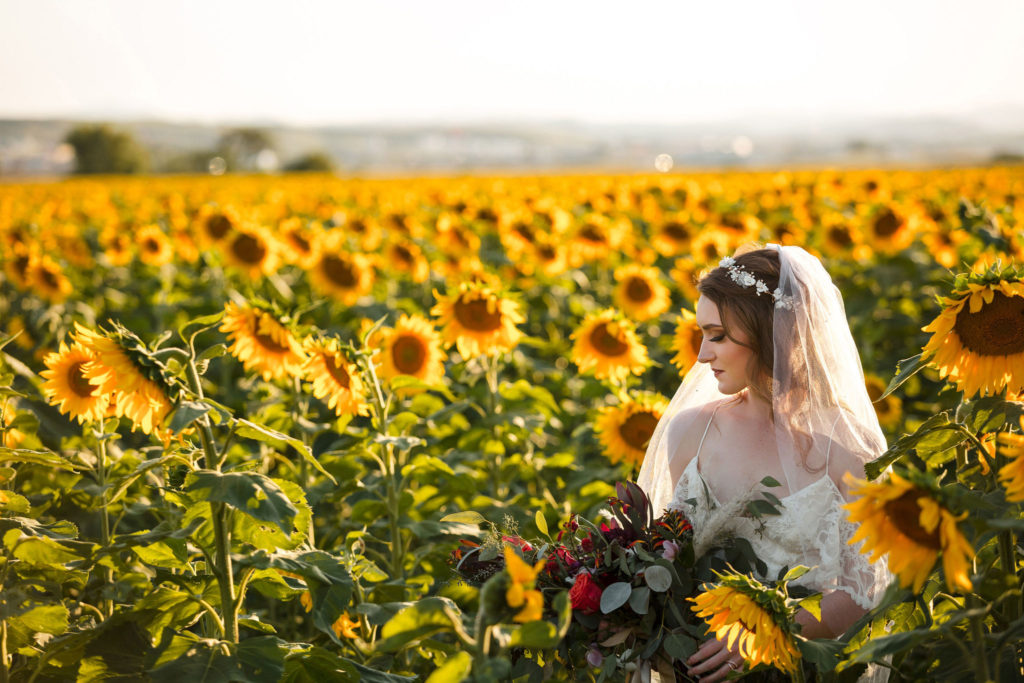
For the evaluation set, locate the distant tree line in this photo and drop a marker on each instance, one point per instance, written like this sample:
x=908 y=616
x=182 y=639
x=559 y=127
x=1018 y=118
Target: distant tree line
x=100 y=148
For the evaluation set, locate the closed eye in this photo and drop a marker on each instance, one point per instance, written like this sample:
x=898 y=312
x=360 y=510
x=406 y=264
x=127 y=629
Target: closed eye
x=717 y=339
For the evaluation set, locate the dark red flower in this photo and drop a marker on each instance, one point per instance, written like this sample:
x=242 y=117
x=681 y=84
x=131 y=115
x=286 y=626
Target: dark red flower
x=585 y=594
x=517 y=542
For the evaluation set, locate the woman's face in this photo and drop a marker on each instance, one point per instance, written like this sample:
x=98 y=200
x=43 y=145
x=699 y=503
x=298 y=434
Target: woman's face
x=728 y=360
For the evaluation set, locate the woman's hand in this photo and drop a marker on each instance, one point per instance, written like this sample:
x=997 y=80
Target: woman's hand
x=713 y=661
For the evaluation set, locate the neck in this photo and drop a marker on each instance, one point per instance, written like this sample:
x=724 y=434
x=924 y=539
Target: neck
x=756 y=408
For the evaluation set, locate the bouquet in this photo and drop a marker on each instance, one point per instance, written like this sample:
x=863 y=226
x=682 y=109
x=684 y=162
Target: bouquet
x=631 y=579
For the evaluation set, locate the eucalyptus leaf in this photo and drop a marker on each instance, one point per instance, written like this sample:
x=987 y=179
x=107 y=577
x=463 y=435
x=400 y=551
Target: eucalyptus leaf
x=615 y=596
x=658 y=578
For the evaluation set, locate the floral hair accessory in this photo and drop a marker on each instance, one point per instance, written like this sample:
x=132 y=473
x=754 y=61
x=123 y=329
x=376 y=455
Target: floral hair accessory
x=745 y=278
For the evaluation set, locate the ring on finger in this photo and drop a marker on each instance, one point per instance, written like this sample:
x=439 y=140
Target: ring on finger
x=733 y=666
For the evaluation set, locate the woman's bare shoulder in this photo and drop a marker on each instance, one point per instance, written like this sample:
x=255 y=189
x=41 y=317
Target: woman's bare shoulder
x=684 y=432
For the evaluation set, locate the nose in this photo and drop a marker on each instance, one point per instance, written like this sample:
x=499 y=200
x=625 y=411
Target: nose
x=705 y=354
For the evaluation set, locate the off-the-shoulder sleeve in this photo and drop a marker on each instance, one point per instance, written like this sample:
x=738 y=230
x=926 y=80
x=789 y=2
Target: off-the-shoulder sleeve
x=843 y=567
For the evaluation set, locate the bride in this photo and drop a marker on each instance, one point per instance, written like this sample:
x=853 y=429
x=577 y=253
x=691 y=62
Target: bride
x=778 y=391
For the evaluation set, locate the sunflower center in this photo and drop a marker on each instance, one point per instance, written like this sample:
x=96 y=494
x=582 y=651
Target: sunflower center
x=710 y=252
x=78 y=382
x=357 y=226
x=547 y=252
x=905 y=514
x=606 y=343
x=218 y=225
x=300 y=242
x=638 y=429
x=151 y=245
x=676 y=231
x=995 y=330
x=408 y=354
x=838 y=234
x=732 y=222
x=403 y=255
x=21 y=264
x=50 y=278
x=338 y=372
x=592 y=233
x=477 y=316
x=339 y=272
x=248 y=249
x=524 y=231
x=887 y=224
x=269 y=343
x=638 y=289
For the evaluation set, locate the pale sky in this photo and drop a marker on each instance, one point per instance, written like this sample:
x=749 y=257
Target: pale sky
x=342 y=62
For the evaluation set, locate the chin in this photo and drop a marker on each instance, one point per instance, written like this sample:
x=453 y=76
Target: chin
x=729 y=389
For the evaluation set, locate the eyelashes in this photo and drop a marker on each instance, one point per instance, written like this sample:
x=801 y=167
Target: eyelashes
x=717 y=339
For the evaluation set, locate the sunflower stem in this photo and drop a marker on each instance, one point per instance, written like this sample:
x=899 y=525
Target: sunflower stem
x=224 y=571
x=492 y=368
x=3 y=651
x=981 y=673
x=210 y=455
x=101 y=474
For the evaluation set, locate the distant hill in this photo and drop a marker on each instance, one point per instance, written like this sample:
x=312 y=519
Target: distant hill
x=33 y=147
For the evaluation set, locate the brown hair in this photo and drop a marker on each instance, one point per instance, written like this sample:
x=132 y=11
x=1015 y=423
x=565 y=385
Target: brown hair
x=752 y=314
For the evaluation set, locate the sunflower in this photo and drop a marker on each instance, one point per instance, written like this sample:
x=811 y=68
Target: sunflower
x=412 y=347
x=406 y=257
x=890 y=229
x=686 y=341
x=49 y=280
x=625 y=429
x=552 y=256
x=297 y=243
x=18 y=265
x=890 y=409
x=904 y=520
x=334 y=378
x=117 y=246
x=736 y=616
x=685 y=274
x=261 y=342
x=68 y=388
x=366 y=231
x=606 y=343
x=155 y=247
x=1012 y=473
x=213 y=223
x=478 y=320
x=344 y=275
x=709 y=246
x=597 y=237
x=252 y=250
x=115 y=371
x=673 y=235
x=640 y=293
x=978 y=339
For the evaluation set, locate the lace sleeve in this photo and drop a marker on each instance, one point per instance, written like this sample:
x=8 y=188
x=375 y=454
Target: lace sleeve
x=843 y=566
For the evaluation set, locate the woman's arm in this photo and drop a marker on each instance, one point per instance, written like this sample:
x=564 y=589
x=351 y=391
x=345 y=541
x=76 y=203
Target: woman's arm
x=838 y=613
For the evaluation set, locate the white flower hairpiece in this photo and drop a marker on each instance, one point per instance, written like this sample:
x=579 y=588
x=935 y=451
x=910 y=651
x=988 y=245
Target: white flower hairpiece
x=745 y=278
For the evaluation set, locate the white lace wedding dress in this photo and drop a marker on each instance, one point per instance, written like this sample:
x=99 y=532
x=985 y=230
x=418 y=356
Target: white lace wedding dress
x=811 y=530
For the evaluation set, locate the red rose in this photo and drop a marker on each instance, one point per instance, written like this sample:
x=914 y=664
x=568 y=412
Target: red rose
x=585 y=594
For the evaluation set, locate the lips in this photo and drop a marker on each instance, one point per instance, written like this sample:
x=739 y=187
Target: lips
x=717 y=372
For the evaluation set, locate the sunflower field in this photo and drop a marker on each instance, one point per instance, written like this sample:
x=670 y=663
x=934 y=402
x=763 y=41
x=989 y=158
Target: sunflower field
x=247 y=422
